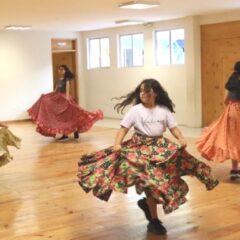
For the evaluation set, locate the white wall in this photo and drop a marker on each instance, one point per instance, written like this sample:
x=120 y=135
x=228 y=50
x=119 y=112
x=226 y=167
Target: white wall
x=226 y=16
x=25 y=70
x=102 y=85
x=183 y=82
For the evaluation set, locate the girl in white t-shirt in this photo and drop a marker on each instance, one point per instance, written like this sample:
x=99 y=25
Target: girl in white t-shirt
x=151 y=162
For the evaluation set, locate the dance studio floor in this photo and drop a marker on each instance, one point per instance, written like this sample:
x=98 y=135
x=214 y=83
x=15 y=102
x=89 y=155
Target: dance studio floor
x=40 y=198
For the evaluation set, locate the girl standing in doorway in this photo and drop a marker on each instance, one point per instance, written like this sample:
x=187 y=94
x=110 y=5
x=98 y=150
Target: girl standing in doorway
x=63 y=86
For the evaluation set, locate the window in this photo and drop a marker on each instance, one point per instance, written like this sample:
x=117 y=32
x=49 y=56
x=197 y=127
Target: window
x=170 y=47
x=163 y=47
x=98 y=53
x=131 y=50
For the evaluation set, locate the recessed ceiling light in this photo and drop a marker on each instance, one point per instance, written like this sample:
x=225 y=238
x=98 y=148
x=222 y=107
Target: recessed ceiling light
x=17 y=27
x=139 y=5
x=62 y=44
x=128 y=22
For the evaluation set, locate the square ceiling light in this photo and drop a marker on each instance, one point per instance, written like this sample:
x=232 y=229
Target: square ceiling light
x=139 y=5
x=128 y=22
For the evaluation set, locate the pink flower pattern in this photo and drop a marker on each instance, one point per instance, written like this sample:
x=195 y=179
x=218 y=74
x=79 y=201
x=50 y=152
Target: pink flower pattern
x=153 y=165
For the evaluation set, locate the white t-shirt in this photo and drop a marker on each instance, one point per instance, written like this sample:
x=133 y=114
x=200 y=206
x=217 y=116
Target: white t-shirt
x=150 y=122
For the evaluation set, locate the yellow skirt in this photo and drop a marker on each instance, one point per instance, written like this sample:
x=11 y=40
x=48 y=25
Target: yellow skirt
x=7 y=138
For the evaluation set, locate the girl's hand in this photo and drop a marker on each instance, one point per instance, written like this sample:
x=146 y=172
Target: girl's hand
x=178 y=135
x=226 y=102
x=121 y=133
x=183 y=142
x=66 y=96
x=117 y=147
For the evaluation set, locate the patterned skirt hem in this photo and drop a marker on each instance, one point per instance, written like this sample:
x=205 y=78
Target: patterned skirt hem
x=153 y=166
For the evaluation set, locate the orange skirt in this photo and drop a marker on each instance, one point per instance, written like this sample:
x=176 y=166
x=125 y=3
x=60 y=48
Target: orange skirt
x=220 y=141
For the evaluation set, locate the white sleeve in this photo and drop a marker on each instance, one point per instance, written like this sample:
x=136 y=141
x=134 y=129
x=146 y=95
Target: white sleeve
x=129 y=119
x=171 y=122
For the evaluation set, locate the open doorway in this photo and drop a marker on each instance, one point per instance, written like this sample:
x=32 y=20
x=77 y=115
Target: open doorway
x=64 y=51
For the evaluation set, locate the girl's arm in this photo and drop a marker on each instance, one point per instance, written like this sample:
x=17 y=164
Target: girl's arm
x=122 y=132
x=178 y=135
x=67 y=89
x=226 y=97
x=3 y=125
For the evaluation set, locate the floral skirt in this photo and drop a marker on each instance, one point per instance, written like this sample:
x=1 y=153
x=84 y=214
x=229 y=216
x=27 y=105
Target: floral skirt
x=55 y=114
x=220 y=140
x=153 y=165
x=7 y=138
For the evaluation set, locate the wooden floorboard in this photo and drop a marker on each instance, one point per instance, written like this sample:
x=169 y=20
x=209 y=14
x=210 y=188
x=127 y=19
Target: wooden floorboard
x=40 y=197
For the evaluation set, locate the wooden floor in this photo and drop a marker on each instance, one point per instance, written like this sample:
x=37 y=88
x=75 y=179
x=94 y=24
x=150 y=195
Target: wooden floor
x=40 y=197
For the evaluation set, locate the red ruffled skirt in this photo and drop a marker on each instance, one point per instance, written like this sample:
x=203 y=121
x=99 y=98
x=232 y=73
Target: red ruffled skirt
x=55 y=114
x=220 y=141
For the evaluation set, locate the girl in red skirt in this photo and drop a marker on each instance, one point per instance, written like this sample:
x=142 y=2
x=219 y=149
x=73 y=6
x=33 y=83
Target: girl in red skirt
x=63 y=86
x=58 y=113
x=150 y=161
x=219 y=141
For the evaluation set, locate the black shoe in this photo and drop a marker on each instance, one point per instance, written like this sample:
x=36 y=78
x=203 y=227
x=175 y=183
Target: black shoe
x=76 y=134
x=156 y=227
x=63 y=138
x=212 y=185
x=143 y=205
x=234 y=174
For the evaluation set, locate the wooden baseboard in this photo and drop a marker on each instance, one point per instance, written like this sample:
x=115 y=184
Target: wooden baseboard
x=16 y=121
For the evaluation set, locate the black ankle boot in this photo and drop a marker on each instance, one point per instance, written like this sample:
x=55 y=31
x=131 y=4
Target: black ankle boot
x=63 y=138
x=234 y=174
x=143 y=205
x=76 y=134
x=155 y=226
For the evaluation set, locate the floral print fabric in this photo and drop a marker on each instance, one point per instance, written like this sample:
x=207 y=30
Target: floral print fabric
x=154 y=165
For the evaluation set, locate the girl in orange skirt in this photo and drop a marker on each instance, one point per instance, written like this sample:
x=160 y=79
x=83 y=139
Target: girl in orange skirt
x=219 y=141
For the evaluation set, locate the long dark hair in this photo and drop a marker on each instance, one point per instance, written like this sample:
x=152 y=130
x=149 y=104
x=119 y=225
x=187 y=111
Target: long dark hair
x=134 y=96
x=68 y=74
x=237 y=67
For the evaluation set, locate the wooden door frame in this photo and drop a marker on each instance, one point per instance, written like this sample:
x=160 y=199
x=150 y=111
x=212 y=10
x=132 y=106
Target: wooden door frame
x=70 y=47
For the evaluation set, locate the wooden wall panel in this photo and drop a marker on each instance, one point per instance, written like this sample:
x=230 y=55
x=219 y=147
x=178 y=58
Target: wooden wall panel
x=220 y=49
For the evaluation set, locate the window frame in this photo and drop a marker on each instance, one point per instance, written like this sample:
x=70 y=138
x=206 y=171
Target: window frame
x=100 y=52
x=170 y=47
x=121 y=60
